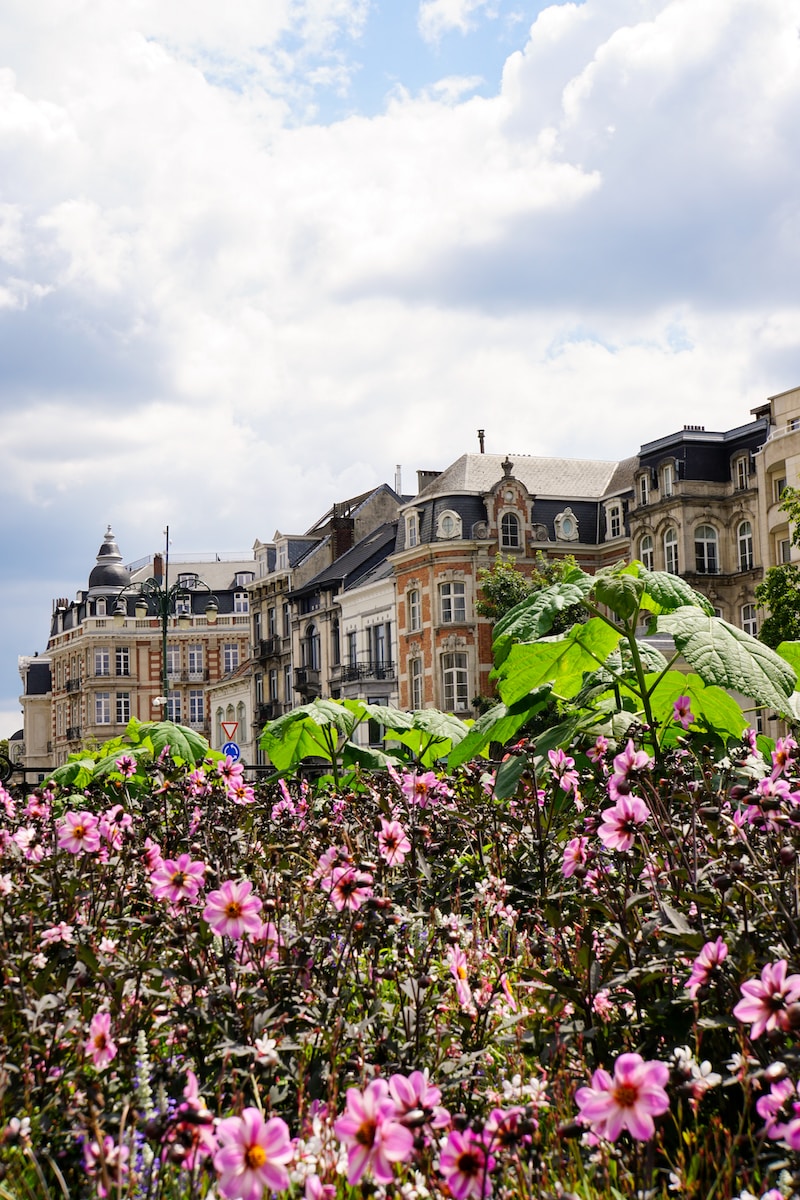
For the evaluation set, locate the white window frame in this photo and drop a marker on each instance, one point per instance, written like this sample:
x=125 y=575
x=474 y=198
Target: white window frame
x=744 y=546
x=102 y=708
x=197 y=706
x=706 y=550
x=510 y=531
x=412 y=530
x=122 y=661
x=415 y=681
x=123 y=707
x=241 y=603
x=671 y=558
x=455 y=681
x=749 y=619
x=413 y=609
x=668 y=479
x=741 y=469
x=448 y=525
x=173 y=706
x=453 y=602
x=230 y=657
x=173 y=659
x=194 y=660
x=614 y=518
x=647 y=551
x=778 y=486
x=102 y=662
x=784 y=550
x=644 y=490
x=183 y=606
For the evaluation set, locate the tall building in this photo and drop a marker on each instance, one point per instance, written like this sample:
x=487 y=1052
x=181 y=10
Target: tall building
x=106 y=657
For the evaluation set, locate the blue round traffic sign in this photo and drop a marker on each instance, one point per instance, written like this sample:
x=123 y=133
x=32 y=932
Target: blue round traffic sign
x=232 y=751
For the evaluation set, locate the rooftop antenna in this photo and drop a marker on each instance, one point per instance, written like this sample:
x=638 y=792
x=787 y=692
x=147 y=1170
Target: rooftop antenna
x=481 y=436
x=398 y=479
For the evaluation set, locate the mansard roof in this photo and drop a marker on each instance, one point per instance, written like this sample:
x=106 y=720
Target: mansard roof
x=579 y=478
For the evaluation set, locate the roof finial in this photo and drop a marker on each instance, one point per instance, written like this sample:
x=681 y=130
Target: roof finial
x=507 y=466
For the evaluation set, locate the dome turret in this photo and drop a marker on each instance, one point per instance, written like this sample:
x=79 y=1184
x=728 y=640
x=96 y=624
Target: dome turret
x=109 y=575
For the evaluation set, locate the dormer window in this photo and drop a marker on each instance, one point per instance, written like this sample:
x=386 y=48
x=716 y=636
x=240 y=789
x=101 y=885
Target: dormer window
x=243 y=578
x=448 y=525
x=644 y=489
x=412 y=530
x=613 y=520
x=667 y=479
x=741 y=474
x=283 y=556
x=510 y=532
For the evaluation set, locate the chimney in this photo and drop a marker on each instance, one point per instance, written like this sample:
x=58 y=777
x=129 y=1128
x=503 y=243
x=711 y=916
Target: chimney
x=398 y=479
x=158 y=567
x=481 y=436
x=342 y=532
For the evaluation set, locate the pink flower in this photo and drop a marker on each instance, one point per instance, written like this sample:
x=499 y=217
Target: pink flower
x=682 y=712
x=629 y=1100
x=126 y=765
x=252 y=1156
x=78 y=833
x=597 y=752
x=415 y=1094
x=765 y=1002
x=372 y=1133
x=393 y=843
x=152 y=855
x=62 y=932
x=109 y=1162
x=347 y=888
x=229 y=770
x=562 y=770
x=195 y=1130
x=621 y=822
x=422 y=790
x=458 y=969
x=631 y=760
x=710 y=957
x=178 y=879
x=100 y=1048
x=232 y=910
x=240 y=792
x=575 y=855
x=465 y=1166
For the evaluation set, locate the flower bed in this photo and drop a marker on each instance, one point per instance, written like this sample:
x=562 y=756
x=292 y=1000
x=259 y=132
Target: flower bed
x=407 y=988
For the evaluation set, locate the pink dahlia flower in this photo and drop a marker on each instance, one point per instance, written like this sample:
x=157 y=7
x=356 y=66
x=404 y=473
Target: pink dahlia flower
x=621 y=823
x=347 y=888
x=78 y=833
x=99 y=1047
x=765 y=1001
x=252 y=1155
x=465 y=1166
x=177 y=879
x=710 y=957
x=374 y=1137
x=575 y=855
x=628 y=1100
x=232 y=911
x=393 y=843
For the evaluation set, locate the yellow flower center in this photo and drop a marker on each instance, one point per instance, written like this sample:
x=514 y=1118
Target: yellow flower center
x=626 y=1095
x=255 y=1157
x=233 y=910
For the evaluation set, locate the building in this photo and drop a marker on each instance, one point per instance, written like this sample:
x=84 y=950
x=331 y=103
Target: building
x=106 y=655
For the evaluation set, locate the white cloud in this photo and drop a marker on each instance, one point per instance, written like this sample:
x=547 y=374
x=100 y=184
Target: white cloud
x=438 y=17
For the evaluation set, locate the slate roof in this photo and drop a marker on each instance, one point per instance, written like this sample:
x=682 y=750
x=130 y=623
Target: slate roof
x=356 y=562
x=577 y=478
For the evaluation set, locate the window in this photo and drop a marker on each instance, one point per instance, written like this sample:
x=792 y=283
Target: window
x=243 y=578
x=509 y=532
x=336 y=644
x=412 y=530
x=455 y=682
x=196 y=707
x=667 y=479
x=614 y=521
x=102 y=662
x=287 y=620
x=415 y=682
x=272 y=622
x=230 y=657
x=183 y=606
x=741 y=474
x=195 y=659
x=744 y=541
x=283 y=557
x=123 y=708
x=174 y=706
x=352 y=649
x=100 y=607
x=784 y=550
x=123 y=660
x=646 y=555
x=671 y=551
x=187 y=579
x=778 y=488
x=448 y=525
x=453 y=603
x=259 y=685
x=241 y=602
x=287 y=683
x=102 y=708
x=414 y=611
x=644 y=489
x=705 y=550
x=380 y=636
x=273 y=684
x=310 y=648
x=749 y=619
x=257 y=627
x=173 y=659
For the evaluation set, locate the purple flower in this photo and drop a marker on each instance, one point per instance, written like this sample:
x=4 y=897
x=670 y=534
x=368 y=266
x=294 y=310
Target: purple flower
x=682 y=712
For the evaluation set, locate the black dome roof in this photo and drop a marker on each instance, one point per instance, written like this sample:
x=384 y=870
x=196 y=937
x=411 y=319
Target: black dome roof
x=109 y=574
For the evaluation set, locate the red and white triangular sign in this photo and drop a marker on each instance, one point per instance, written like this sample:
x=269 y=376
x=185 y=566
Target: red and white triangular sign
x=229 y=729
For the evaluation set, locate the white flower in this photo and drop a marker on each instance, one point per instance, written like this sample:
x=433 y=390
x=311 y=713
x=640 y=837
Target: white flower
x=265 y=1051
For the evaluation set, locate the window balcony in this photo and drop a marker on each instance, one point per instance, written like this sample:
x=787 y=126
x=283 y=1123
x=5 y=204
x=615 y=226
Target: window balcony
x=269 y=647
x=307 y=681
x=73 y=685
x=367 y=670
x=74 y=733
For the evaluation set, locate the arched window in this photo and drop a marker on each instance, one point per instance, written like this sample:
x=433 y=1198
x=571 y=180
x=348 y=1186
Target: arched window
x=509 y=531
x=671 y=551
x=336 y=645
x=646 y=555
x=705 y=550
x=749 y=619
x=413 y=610
x=744 y=541
x=448 y=524
x=310 y=648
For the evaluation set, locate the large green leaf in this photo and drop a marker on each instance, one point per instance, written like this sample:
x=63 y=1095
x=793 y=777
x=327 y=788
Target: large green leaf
x=621 y=592
x=729 y=657
x=664 y=593
x=433 y=734
x=711 y=706
x=288 y=742
x=563 y=662
x=182 y=744
x=77 y=773
x=533 y=617
x=790 y=651
x=497 y=724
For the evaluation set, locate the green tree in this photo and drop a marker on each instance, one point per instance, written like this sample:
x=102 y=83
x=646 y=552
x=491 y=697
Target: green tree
x=504 y=586
x=780 y=593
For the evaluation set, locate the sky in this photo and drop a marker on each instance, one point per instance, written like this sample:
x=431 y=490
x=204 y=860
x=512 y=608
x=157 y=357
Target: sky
x=253 y=255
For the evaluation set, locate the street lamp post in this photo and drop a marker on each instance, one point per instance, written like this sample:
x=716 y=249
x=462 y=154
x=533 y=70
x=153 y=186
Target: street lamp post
x=157 y=598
